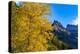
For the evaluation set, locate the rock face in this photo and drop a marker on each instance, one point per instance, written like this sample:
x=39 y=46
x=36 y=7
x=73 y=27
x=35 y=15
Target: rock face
x=58 y=27
x=68 y=35
x=73 y=29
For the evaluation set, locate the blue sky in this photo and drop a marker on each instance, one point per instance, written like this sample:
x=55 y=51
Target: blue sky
x=64 y=13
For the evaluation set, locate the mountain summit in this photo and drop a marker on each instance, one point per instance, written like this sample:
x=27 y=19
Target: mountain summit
x=68 y=35
x=59 y=27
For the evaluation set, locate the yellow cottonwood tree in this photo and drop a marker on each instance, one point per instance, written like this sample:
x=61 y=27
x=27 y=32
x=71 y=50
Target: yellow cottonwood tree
x=30 y=30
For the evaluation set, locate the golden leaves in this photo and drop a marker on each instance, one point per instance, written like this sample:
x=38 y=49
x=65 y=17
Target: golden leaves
x=29 y=28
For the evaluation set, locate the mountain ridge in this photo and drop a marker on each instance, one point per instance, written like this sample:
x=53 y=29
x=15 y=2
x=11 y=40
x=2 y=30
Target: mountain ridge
x=68 y=35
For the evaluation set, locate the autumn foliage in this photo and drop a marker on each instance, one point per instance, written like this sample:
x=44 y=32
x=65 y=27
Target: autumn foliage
x=30 y=29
